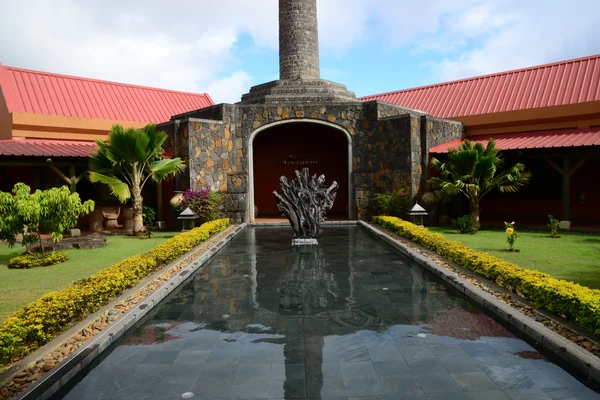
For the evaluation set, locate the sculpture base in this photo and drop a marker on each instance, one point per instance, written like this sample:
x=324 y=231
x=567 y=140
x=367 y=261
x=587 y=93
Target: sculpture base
x=304 y=242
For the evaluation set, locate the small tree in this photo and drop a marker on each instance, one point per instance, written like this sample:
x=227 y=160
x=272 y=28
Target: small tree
x=29 y=214
x=128 y=160
x=474 y=171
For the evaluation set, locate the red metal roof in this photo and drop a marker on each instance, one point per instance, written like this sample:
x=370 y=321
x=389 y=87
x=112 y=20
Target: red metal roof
x=533 y=140
x=565 y=82
x=53 y=94
x=46 y=148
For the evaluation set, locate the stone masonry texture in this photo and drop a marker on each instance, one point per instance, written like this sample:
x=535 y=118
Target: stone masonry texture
x=389 y=146
x=298 y=40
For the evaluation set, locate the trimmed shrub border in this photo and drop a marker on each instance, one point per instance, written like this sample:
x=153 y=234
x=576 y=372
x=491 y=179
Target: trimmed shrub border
x=42 y=320
x=30 y=261
x=82 y=343
x=574 y=302
x=551 y=344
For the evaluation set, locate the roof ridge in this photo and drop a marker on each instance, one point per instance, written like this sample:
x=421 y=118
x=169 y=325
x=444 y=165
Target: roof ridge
x=101 y=81
x=474 y=78
x=39 y=140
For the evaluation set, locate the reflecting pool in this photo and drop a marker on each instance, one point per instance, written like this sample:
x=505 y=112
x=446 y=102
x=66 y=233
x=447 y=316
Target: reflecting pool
x=347 y=319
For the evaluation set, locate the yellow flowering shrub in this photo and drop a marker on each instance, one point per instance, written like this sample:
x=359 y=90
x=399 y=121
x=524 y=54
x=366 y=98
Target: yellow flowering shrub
x=30 y=261
x=42 y=320
x=577 y=303
x=184 y=242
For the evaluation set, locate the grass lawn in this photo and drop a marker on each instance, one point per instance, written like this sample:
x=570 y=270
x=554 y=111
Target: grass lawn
x=18 y=287
x=573 y=257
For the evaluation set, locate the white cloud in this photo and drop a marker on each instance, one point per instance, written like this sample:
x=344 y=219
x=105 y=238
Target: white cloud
x=178 y=45
x=511 y=34
x=225 y=89
x=194 y=45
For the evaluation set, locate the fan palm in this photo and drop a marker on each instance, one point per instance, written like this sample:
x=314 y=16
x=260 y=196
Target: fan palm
x=474 y=171
x=128 y=160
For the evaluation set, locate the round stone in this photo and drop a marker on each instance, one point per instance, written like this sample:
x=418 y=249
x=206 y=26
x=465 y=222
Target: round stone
x=187 y=395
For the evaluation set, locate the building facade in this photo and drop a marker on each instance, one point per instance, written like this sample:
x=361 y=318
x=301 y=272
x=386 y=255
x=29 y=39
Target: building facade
x=547 y=117
x=49 y=124
x=302 y=121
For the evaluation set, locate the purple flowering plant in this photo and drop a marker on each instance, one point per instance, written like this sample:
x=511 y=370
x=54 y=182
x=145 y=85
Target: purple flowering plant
x=206 y=203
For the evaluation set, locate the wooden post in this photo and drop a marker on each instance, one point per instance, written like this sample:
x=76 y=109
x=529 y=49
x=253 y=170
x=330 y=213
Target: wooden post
x=73 y=178
x=159 y=203
x=566 y=189
x=60 y=173
x=566 y=171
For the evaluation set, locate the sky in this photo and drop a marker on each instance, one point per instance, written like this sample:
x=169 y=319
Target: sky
x=224 y=47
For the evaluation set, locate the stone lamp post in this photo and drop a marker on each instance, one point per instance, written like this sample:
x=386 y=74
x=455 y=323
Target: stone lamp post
x=188 y=218
x=416 y=214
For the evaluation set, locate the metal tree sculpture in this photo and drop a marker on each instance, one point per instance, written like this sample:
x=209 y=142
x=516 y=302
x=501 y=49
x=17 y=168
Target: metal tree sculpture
x=304 y=201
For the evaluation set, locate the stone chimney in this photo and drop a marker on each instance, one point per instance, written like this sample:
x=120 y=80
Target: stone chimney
x=299 y=72
x=298 y=40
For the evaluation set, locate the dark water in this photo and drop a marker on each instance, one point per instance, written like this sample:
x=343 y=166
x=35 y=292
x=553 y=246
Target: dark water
x=347 y=319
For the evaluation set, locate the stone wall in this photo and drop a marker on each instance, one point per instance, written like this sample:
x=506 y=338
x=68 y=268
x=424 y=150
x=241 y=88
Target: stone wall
x=177 y=144
x=441 y=131
x=389 y=144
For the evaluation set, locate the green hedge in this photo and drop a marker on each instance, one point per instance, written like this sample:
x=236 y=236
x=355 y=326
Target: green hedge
x=42 y=320
x=577 y=303
x=30 y=261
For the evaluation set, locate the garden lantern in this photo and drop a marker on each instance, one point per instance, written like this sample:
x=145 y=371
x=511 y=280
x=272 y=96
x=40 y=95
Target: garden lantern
x=188 y=218
x=416 y=214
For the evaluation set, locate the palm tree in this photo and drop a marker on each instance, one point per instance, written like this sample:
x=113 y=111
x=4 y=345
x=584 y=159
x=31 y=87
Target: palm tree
x=128 y=160
x=474 y=171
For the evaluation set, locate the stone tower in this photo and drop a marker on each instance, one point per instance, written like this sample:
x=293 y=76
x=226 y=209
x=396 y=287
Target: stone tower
x=298 y=40
x=379 y=147
x=299 y=73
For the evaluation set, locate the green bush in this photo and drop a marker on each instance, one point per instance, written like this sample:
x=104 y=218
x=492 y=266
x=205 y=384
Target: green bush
x=33 y=261
x=577 y=303
x=465 y=225
x=42 y=320
x=554 y=226
x=394 y=203
x=148 y=216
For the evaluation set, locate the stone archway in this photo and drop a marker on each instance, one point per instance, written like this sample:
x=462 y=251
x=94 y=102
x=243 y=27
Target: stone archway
x=280 y=148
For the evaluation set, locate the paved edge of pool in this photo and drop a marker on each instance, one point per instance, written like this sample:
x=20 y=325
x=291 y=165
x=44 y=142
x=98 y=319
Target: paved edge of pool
x=60 y=376
x=328 y=224
x=549 y=343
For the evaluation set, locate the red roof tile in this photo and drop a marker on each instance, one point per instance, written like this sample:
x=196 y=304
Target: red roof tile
x=46 y=148
x=565 y=82
x=53 y=94
x=533 y=140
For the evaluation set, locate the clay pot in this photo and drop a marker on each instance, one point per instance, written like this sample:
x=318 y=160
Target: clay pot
x=128 y=219
x=173 y=204
x=127 y=213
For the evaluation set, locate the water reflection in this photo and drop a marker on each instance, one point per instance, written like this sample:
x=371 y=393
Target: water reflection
x=306 y=285
x=347 y=318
